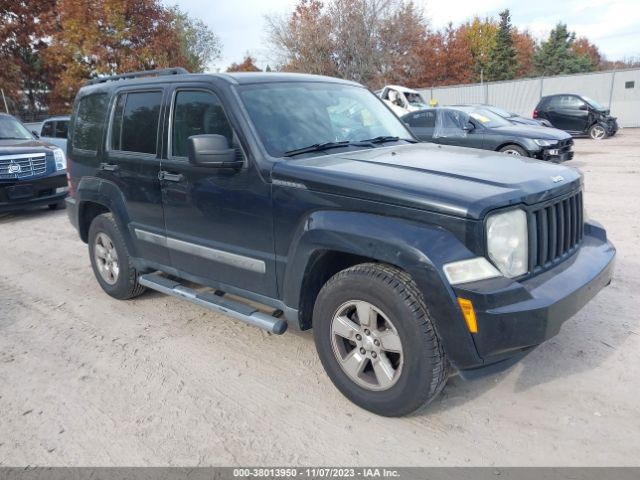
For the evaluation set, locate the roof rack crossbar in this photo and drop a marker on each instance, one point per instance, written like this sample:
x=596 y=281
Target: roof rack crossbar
x=143 y=73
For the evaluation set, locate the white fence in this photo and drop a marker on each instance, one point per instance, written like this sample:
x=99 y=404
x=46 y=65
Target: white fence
x=617 y=89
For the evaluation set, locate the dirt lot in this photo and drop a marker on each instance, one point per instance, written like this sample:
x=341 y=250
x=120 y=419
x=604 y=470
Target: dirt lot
x=88 y=380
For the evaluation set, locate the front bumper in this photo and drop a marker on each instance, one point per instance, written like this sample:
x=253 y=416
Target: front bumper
x=28 y=193
x=515 y=316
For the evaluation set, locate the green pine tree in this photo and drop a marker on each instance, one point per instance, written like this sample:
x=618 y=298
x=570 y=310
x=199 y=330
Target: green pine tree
x=555 y=55
x=503 y=63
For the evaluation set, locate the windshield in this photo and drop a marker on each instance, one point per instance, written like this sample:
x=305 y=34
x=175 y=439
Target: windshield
x=415 y=99
x=593 y=103
x=292 y=116
x=487 y=118
x=11 y=129
x=500 y=112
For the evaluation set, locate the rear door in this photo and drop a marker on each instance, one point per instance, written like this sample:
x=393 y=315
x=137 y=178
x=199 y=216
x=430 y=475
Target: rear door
x=132 y=162
x=219 y=223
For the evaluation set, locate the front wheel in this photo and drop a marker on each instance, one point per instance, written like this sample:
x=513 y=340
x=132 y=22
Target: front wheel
x=598 y=132
x=376 y=340
x=514 y=150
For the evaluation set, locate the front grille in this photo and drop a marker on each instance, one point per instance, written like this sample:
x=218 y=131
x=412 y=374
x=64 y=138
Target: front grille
x=13 y=167
x=555 y=231
x=565 y=146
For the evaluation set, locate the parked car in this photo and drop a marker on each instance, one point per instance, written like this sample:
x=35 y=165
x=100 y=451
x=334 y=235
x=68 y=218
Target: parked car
x=401 y=99
x=577 y=114
x=509 y=116
x=32 y=173
x=409 y=260
x=54 y=131
x=477 y=127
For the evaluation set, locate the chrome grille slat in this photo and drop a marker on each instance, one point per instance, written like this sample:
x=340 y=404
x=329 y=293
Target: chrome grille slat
x=30 y=165
x=556 y=229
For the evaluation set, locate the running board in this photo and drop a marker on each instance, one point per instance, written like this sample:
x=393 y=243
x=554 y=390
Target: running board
x=217 y=303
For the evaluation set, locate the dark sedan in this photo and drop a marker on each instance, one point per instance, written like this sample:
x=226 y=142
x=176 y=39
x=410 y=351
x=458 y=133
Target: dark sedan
x=477 y=127
x=509 y=116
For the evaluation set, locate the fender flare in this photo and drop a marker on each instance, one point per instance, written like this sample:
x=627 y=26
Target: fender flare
x=420 y=250
x=105 y=193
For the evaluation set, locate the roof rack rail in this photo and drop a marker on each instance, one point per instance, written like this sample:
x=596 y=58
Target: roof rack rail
x=142 y=73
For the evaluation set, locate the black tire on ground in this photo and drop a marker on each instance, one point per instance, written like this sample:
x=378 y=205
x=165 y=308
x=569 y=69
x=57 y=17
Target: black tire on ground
x=598 y=132
x=56 y=206
x=514 y=150
x=126 y=286
x=392 y=291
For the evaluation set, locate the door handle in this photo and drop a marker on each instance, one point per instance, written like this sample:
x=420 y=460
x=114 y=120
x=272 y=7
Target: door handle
x=170 y=177
x=109 y=167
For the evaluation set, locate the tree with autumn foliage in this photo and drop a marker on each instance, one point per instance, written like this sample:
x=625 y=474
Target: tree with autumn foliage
x=49 y=48
x=247 y=65
x=116 y=36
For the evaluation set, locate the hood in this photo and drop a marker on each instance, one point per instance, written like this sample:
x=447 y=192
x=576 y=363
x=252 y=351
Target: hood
x=532 y=131
x=450 y=180
x=17 y=147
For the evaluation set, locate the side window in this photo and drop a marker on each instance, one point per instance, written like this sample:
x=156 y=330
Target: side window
x=450 y=123
x=569 y=101
x=62 y=127
x=89 y=121
x=197 y=113
x=424 y=119
x=47 y=129
x=135 y=122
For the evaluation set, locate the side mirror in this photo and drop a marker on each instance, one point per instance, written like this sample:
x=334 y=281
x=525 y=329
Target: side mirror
x=35 y=134
x=583 y=107
x=468 y=127
x=212 y=151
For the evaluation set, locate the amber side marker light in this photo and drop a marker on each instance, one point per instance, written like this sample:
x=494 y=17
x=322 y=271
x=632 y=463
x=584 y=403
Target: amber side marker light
x=469 y=314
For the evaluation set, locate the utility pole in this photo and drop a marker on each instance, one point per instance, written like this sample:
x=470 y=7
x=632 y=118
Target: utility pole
x=4 y=99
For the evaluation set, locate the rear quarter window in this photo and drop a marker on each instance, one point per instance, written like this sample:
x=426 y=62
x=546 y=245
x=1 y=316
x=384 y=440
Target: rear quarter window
x=89 y=122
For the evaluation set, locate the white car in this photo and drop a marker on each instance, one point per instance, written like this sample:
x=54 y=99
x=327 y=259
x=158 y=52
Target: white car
x=402 y=100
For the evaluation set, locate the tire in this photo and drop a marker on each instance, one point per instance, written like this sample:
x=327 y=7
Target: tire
x=56 y=206
x=598 y=132
x=514 y=150
x=112 y=264
x=418 y=372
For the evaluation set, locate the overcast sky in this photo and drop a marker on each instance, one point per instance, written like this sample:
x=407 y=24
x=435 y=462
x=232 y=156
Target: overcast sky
x=613 y=25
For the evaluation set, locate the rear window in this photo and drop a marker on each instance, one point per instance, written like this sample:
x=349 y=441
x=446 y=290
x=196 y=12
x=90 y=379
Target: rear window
x=135 y=122
x=89 y=121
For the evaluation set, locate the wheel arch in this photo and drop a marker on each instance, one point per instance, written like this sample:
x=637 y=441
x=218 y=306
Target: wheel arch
x=331 y=241
x=96 y=196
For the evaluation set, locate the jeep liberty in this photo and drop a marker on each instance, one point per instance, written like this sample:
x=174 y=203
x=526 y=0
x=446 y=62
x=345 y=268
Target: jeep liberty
x=305 y=195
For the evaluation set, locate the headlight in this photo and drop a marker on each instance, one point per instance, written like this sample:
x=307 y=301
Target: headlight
x=544 y=143
x=471 y=270
x=60 y=158
x=508 y=242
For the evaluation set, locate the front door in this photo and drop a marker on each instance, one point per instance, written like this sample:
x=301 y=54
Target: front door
x=455 y=127
x=218 y=220
x=566 y=113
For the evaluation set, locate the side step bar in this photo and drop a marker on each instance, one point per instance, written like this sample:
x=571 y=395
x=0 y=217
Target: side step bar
x=237 y=310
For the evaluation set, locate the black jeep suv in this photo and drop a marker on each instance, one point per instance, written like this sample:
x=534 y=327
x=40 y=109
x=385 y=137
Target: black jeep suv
x=577 y=115
x=32 y=173
x=307 y=195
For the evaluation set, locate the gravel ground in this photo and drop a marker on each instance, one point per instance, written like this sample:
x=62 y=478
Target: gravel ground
x=86 y=380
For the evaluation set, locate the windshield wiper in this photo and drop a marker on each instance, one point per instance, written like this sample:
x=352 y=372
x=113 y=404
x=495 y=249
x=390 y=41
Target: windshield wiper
x=319 y=147
x=387 y=138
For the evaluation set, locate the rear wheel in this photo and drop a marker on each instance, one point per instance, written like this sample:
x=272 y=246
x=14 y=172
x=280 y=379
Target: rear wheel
x=376 y=340
x=110 y=259
x=514 y=150
x=597 y=132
